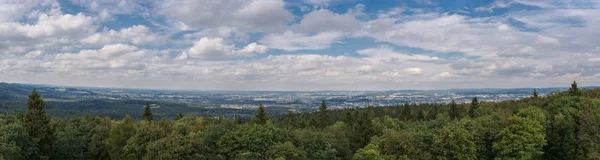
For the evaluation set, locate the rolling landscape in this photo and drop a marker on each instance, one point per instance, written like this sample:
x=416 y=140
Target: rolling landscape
x=299 y=80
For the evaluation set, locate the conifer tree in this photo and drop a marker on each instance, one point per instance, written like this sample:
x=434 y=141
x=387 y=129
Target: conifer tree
x=147 y=113
x=574 y=91
x=535 y=93
x=406 y=113
x=474 y=107
x=454 y=113
x=38 y=126
x=261 y=116
x=179 y=116
x=323 y=117
x=290 y=120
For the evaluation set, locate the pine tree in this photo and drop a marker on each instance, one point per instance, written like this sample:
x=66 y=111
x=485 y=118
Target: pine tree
x=474 y=107
x=290 y=120
x=179 y=116
x=323 y=117
x=406 y=113
x=535 y=93
x=574 y=91
x=454 y=113
x=261 y=116
x=147 y=113
x=38 y=126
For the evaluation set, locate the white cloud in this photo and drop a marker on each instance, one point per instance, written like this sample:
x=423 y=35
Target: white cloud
x=324 y=20
x=138 y=34
x=413 y=70
x=388 y=54
x=252 y=16
x=209 y=48
x=290 y=41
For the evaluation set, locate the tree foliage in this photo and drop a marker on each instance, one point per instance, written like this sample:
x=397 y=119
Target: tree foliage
x=560 y=125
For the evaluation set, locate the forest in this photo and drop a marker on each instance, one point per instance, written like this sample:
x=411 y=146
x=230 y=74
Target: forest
x=559 y=125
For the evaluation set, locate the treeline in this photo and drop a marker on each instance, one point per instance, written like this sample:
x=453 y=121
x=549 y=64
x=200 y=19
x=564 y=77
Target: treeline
x=560 y=125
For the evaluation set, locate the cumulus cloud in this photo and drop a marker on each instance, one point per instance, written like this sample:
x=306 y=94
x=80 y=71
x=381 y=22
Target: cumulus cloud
x=253 y=16
x=324 y=20
x=389 y=55
x=149 y=43
x=291 y=41
x=209 y=48
x=138 y=34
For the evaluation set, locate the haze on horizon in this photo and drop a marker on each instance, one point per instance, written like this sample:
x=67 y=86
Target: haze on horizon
x=300 y=45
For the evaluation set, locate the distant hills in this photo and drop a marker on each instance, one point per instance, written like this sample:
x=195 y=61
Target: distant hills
x=68 y=101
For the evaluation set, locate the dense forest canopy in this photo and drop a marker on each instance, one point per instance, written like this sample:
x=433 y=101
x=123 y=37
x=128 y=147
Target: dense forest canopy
x=560 y=125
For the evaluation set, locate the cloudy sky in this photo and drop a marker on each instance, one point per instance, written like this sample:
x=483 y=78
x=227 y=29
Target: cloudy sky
x=300 y=45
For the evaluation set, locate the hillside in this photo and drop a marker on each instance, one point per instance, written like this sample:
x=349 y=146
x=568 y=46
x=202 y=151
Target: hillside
x=560 y=125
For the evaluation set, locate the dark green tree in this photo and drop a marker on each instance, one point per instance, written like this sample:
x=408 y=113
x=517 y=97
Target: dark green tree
x=179 y=116
x=148 y=113
x=290 y=120
x=454 y=111
x=473 y=108
x=118 y=136
x=38 y=126
x=574 y=91
x=261 y=116
x=98 y=148
x=323 y=116
x=535 y=93
x=73 y=140
x=15 y=142
x=406 y=112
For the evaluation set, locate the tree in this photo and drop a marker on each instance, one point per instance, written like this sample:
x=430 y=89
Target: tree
x=368 y=153
x=524 y=137
x=176 y=146
x=15 y=142
x=453 y=141
x=38 y=126
x=290 y=120
x=179 y=116
x=98 y=148
x=406 y=113
x=72 y=140
x=535 y=93
x=285 y=150
x=454 y=111
x=261 y=116
x=136 y=145
x=118 y=136
x=147 y=112
x=574 y=91
x=250 y=141
x=323 y=116
x=474 y=107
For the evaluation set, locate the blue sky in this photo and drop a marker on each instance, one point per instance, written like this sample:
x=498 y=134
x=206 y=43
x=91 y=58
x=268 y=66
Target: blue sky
x=300 y=44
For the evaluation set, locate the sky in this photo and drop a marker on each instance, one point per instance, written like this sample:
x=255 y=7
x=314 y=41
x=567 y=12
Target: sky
x=300 y=44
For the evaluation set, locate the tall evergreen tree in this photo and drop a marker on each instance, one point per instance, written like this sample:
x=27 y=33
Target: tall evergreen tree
x=574 y=91
x=179 y=116
x=147 y=112
x=535 y=93
x=406 y=113
x=261 y=116
x=38 y=126
x=474 y=107
x=323 y=116
x=290 y=119
x=454 y=112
